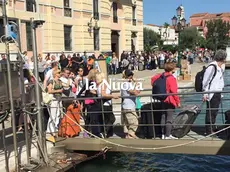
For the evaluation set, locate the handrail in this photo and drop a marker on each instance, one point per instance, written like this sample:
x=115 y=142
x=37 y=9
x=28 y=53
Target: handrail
x=147 y=95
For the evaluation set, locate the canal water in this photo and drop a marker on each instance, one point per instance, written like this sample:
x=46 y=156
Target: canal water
x=150 y=162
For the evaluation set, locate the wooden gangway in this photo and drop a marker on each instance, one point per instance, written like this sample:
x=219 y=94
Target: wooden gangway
x=193 y=143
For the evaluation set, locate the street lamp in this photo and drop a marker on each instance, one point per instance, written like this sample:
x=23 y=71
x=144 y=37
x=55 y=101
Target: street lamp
x=179 y=24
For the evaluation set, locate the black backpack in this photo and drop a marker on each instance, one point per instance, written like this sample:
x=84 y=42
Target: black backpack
x=200 y=76
x=159 y=87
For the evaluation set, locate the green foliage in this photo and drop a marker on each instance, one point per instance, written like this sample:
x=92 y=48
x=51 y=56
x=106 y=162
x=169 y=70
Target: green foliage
x=171 y=48
x=189 y=38
x=202 y=43
x=166 y=25
x=218 y=34
x=151 y=39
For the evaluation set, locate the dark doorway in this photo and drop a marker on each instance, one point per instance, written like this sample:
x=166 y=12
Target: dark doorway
x=133 y=41
x=113 y=47
x=115 y=42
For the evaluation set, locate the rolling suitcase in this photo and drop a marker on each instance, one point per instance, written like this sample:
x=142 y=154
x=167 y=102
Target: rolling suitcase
x=184 y=120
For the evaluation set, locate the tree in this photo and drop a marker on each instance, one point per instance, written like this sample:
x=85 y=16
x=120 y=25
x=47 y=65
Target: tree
x=189 y=38
x=218 y=34
x=166 y=25
x=151 y=39
x=201 y=42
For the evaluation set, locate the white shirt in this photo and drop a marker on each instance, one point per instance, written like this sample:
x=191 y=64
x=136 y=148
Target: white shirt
x=217 y=83
x=80 y=84
x=65 y=82
x=107 y=91
x=48 y=63
x=49 y=75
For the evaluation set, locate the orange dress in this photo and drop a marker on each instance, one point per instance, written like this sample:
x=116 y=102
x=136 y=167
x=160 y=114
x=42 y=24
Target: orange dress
x=69 y=128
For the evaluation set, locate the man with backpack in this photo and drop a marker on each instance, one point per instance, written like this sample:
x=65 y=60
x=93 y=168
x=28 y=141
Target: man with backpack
x=213 y=81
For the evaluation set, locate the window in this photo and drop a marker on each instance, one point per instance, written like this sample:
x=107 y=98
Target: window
x=67 y=38
x=95 y=10
x=115 y=18
x=67 y=9
x=134 y=15
x=29 y=37
x=30 y=5
x=96 y=39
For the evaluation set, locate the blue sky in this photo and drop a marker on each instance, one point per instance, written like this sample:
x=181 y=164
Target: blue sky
x=160 y=11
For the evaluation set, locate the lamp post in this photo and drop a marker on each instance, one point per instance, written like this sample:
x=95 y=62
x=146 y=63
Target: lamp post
x=179 y=24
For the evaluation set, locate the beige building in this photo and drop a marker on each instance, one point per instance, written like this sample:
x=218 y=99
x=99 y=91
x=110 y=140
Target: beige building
x=78 y=25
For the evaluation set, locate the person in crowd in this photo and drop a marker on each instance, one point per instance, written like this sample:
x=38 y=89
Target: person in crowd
x=41 y=67
x=27 y=80
x=108 y=63
x=106 y=103
x=91 y=105
x=153 y=62
x=78 y=62
x=54 y=87
x=3 y=56
x=213 y=81
x=85 y=57
x=80 y=80
x=31 y=64
x=114 y=64
x=63 y=61
x=49 y=74
x=25 y=57
x=90 y=65
x=128 y=106
x=48 y=63
x=171 y=102
x=190 y=58
x=70 y=63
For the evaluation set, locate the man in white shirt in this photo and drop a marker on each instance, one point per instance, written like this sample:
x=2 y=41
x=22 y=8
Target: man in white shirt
x=213 y=81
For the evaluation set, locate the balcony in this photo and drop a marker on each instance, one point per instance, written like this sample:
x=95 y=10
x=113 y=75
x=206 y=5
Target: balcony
x=115 y=19
x=67 y=12
x=134 y=22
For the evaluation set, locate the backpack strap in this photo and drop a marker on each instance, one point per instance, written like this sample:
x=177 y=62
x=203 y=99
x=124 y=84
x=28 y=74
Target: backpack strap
x=213 y=74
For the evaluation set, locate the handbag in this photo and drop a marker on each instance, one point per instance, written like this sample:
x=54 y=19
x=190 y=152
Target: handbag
x=46 y=97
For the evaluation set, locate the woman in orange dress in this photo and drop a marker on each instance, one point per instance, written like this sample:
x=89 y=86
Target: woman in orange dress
x=68 y=126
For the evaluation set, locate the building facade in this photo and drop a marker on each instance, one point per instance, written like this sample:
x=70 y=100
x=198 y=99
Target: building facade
x=73 y=26
x=168 y=35
x=199 y=20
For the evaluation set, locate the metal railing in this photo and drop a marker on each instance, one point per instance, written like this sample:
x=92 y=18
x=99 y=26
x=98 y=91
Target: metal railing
x=149 y=118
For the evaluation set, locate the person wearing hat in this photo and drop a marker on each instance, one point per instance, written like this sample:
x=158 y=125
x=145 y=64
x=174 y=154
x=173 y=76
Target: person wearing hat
x=128 y=105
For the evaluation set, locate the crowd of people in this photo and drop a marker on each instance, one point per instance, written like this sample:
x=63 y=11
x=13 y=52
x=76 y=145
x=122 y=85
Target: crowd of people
x=71 y=76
